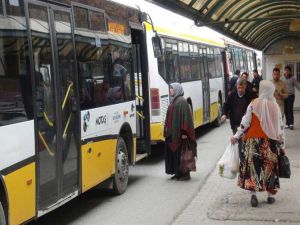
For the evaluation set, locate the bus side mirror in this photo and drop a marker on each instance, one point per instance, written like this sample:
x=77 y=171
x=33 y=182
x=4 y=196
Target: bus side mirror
x=157 y=46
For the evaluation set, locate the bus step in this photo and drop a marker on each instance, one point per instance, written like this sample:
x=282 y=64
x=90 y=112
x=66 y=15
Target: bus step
x=140 y=146
x=140 y=156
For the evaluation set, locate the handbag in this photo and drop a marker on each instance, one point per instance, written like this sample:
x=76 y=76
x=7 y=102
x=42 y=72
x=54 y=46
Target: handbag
x=284 y=166
x=187 y=158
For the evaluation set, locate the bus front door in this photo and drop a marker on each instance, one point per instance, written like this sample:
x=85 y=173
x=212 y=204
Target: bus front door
x=140 y=71
x=57 y=127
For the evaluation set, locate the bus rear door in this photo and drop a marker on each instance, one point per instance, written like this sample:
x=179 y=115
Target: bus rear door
x=57 y=130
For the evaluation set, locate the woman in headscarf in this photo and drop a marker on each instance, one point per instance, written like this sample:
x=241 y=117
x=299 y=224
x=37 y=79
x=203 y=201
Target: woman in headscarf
x=179 y=126
x=114 y=95
x=263 y=135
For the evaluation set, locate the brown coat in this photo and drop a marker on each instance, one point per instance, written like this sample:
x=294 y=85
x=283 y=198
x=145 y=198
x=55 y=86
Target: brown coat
x=280 y=93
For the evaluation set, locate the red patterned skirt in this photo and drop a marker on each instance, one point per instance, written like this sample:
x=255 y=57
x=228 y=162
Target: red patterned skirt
x=259 y=165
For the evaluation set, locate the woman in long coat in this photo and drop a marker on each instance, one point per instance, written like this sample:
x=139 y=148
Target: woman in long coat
x=263 y=135
x=179 y=126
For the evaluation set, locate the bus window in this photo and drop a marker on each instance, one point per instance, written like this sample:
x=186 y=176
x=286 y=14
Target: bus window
x=121 y=70
x=241 y=59
x=237 y=59
x=175 y=60
x=1 y=8
x=201 y=63
x=169 y=63
x=195 y=71
x=250 y=62
x=184 y=60
x=161 y=62
x=104 y=75
x=218 y=62
x=172 y=69
x=15 y=83
x=211 y=63
x=244 y=58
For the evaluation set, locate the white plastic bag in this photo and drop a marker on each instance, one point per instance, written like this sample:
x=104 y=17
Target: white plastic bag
x=229 y=164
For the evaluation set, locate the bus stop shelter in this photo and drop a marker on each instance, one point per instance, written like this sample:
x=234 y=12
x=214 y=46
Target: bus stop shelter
x=255 y=23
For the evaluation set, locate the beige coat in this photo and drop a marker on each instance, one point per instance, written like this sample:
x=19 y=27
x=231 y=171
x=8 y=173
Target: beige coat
x=280 y=93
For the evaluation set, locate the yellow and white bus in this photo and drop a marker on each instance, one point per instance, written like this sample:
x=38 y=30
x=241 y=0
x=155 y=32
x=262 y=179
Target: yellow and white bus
x=191 y=56
x=68 y=108
x=198 y=58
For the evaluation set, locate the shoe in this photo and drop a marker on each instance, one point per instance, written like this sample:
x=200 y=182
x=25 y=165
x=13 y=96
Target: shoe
x=291 y=127
x=184 y=177
x=174 y=177
x=286 y=126
x=254 y=201
x=271 y=200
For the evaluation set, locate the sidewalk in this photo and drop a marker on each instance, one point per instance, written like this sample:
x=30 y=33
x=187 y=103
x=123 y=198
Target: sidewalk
x=221 y=201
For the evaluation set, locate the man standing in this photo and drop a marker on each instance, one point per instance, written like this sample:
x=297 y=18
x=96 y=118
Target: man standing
x=291 y=84
x=256 y=80
x=233 y=80
x=236 y=105
x=281 y=91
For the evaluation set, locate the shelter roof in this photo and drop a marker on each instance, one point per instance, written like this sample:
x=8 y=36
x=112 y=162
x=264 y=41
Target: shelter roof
x=256 y=23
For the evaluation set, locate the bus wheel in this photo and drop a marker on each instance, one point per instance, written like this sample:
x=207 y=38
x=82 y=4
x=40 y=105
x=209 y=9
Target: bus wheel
x=217 y=122
x=2 y=215
x=120 y=179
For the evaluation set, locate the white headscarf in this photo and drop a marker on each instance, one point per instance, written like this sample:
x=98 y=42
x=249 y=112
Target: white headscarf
x=267 y=110
x=178 y=90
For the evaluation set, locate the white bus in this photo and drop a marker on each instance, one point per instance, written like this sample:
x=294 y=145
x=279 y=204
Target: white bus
x=243 y=58
x=190 y=57
x=199 y=58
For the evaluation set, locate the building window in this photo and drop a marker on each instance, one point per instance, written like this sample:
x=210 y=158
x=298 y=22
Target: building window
x=14 y=8
x=81 y=17
x=97 y=21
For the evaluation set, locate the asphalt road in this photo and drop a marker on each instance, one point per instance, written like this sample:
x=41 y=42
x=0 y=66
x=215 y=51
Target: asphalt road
x=151 y=198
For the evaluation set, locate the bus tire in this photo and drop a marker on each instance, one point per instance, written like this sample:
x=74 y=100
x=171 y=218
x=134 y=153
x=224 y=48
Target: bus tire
x=120 y=179
x=2 y=215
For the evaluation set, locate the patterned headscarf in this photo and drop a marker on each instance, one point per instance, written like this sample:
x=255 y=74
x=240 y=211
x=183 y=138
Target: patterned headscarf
x=178 y=91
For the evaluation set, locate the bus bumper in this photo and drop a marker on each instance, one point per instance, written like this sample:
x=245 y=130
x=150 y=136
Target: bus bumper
x=157 y=132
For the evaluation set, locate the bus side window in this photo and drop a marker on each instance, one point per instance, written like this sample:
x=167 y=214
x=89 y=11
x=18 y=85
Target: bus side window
x=211 y=63
x=85 y=86
x=121 y=73
x=16 y=104
x=104 y=77
x=195 y=71
x=161 y=60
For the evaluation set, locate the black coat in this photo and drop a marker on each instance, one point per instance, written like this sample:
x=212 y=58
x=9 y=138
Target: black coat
x=235 y=107
x=256 y=82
